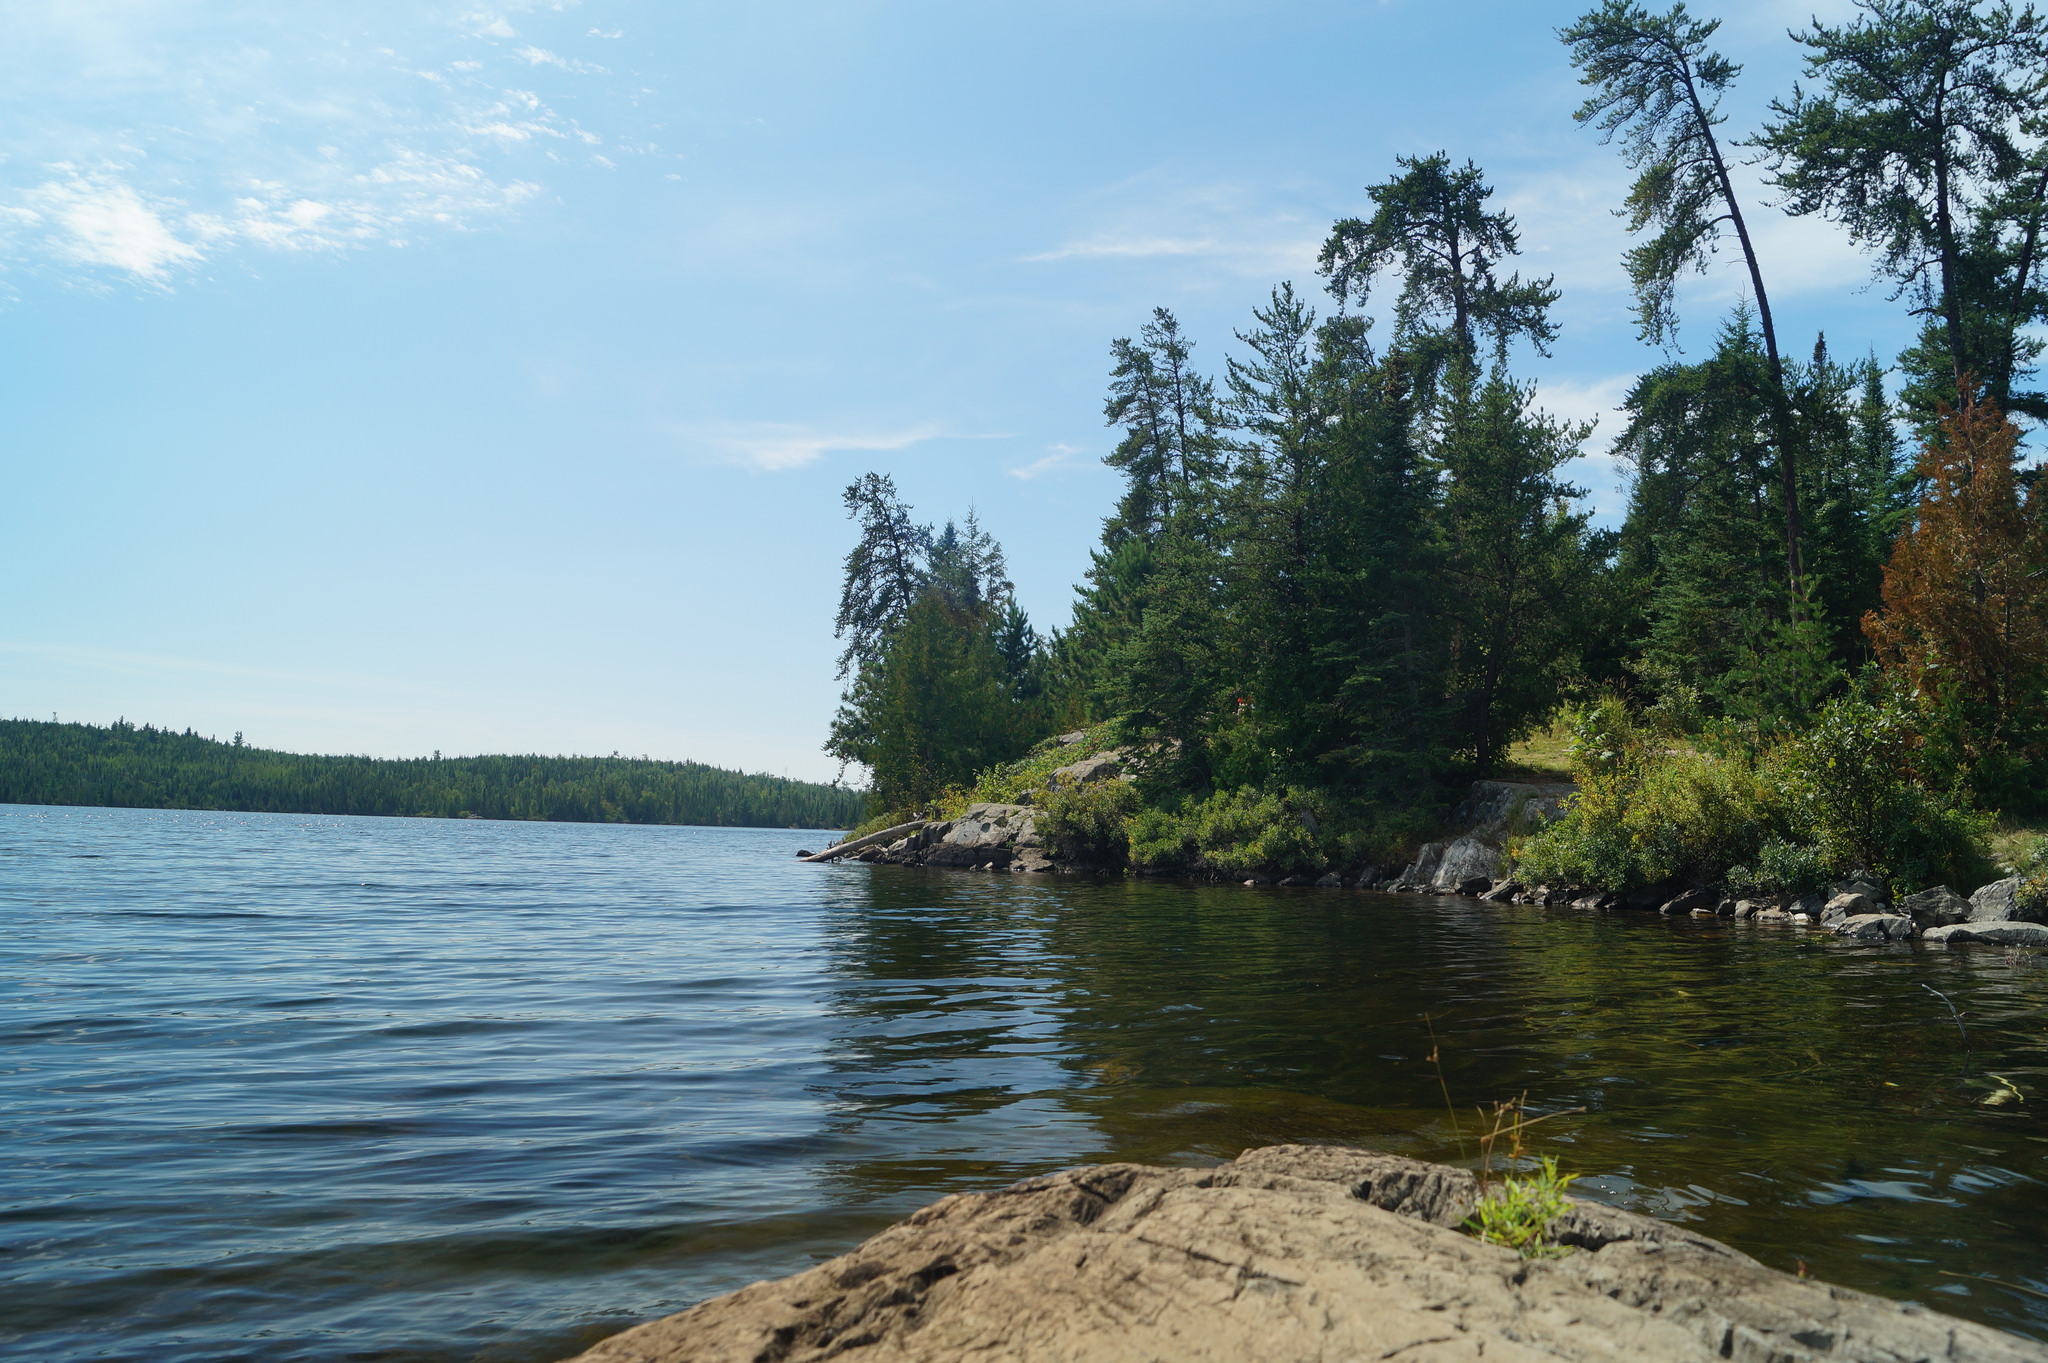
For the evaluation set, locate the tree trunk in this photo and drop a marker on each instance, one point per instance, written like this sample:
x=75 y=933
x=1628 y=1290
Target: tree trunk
x=1781 y=408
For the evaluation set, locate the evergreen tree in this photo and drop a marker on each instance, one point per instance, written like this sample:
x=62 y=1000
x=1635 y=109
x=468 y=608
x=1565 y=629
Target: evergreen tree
x=1964 y=628
x=1519 y=561
x=1658 y=87
x=885 y=571
x=1431 y=225
x=1921 y=115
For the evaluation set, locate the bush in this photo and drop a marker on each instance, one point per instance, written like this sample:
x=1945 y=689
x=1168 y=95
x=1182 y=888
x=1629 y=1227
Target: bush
x=2033 y=873
x=1852 y=773
x=1232 y=831
x=1648 y=815
x=1089 y=823
x=1781 y=868
x=1837 y=798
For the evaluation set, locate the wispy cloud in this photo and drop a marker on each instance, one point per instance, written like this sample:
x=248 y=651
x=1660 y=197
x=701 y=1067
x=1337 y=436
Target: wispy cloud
x=540 y=56
x=1157 y=215
x=200 y=132
x=1127 y=248
x=1061 y=456
x=774 y=447
x=97 y=220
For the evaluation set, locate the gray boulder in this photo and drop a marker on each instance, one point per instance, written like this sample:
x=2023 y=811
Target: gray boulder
x=1476 y=856
x=1999 y=902
x=1846 y=905
x=986 y=834
x=1290 y=1253
x=1875 y=927
x=1689 y=901
x=1935 y=908
x=1087 y=771
x=1492 y=804
x=2008 y=934
x=1421 y=873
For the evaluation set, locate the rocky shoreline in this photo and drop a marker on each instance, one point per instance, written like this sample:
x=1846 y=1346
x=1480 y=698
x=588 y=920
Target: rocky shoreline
x=1007 y=838
x=1291 y=1253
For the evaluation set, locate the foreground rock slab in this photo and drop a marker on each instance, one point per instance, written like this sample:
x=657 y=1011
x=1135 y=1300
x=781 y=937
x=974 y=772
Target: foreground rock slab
x=1289 y=1253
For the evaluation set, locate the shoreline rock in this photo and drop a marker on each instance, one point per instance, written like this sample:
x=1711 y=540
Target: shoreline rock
x=1289 y=1253
x=1859 y=909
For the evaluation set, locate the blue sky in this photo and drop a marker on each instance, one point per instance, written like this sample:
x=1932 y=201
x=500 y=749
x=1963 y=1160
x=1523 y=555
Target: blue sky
x=397 y=377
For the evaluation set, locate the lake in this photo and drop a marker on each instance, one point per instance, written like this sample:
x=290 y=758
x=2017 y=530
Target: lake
x=303 y=1088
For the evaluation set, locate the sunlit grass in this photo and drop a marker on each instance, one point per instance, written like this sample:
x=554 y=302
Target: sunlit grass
x=1543 y=756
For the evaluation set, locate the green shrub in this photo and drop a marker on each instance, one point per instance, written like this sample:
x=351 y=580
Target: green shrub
x=1233 y=831
x=1781 y=868
x=1161 y=839
x=1009 y=782
x=1088 y=823
x=1646 y=814
x=1839 y=797
x=2033 y=872
x=1852 y=773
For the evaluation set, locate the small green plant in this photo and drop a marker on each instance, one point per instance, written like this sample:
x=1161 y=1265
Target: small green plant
x=1517 y=1212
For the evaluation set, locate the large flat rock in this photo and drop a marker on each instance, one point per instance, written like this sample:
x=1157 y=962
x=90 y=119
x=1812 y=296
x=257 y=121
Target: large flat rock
x=1289 y=1253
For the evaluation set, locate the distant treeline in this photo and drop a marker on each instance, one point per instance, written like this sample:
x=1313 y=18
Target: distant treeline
x=134 y=767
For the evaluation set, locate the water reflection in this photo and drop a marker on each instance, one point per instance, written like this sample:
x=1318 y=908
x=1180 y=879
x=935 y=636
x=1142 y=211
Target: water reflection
x=1807 y=1100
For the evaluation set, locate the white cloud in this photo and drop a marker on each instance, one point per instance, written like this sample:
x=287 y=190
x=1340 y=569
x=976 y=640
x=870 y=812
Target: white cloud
x=1061 y=456
x=99 y=220
x=1602 y=475
x=1252 y=231
x=774 y=447
x=1574 y=401
x=540 y=56
x=1127 y=248
x=268 y=134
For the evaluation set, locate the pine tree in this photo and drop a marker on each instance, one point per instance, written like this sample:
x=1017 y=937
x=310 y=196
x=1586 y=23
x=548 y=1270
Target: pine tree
x=1431 y=225
x=1964 y=627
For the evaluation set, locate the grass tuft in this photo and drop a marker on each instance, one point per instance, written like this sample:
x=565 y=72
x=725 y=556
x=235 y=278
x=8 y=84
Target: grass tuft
x=1517 y=1212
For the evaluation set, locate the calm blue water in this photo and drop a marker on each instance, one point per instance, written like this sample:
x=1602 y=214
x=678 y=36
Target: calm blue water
x=286 y=1088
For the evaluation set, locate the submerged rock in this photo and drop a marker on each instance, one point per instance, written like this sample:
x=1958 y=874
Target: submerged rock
x=1992 y=934
x=1294 y=1253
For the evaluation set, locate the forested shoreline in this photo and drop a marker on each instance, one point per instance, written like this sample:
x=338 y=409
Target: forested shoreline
x=1347 y=573
x=141 y=767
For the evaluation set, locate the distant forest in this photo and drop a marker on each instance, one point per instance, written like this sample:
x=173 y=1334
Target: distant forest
x=133 y=767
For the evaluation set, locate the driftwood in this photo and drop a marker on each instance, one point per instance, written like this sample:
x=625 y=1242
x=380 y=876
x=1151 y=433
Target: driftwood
x=886 y=835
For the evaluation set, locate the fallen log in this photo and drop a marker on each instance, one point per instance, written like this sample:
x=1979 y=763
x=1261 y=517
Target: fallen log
x=886 y=835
